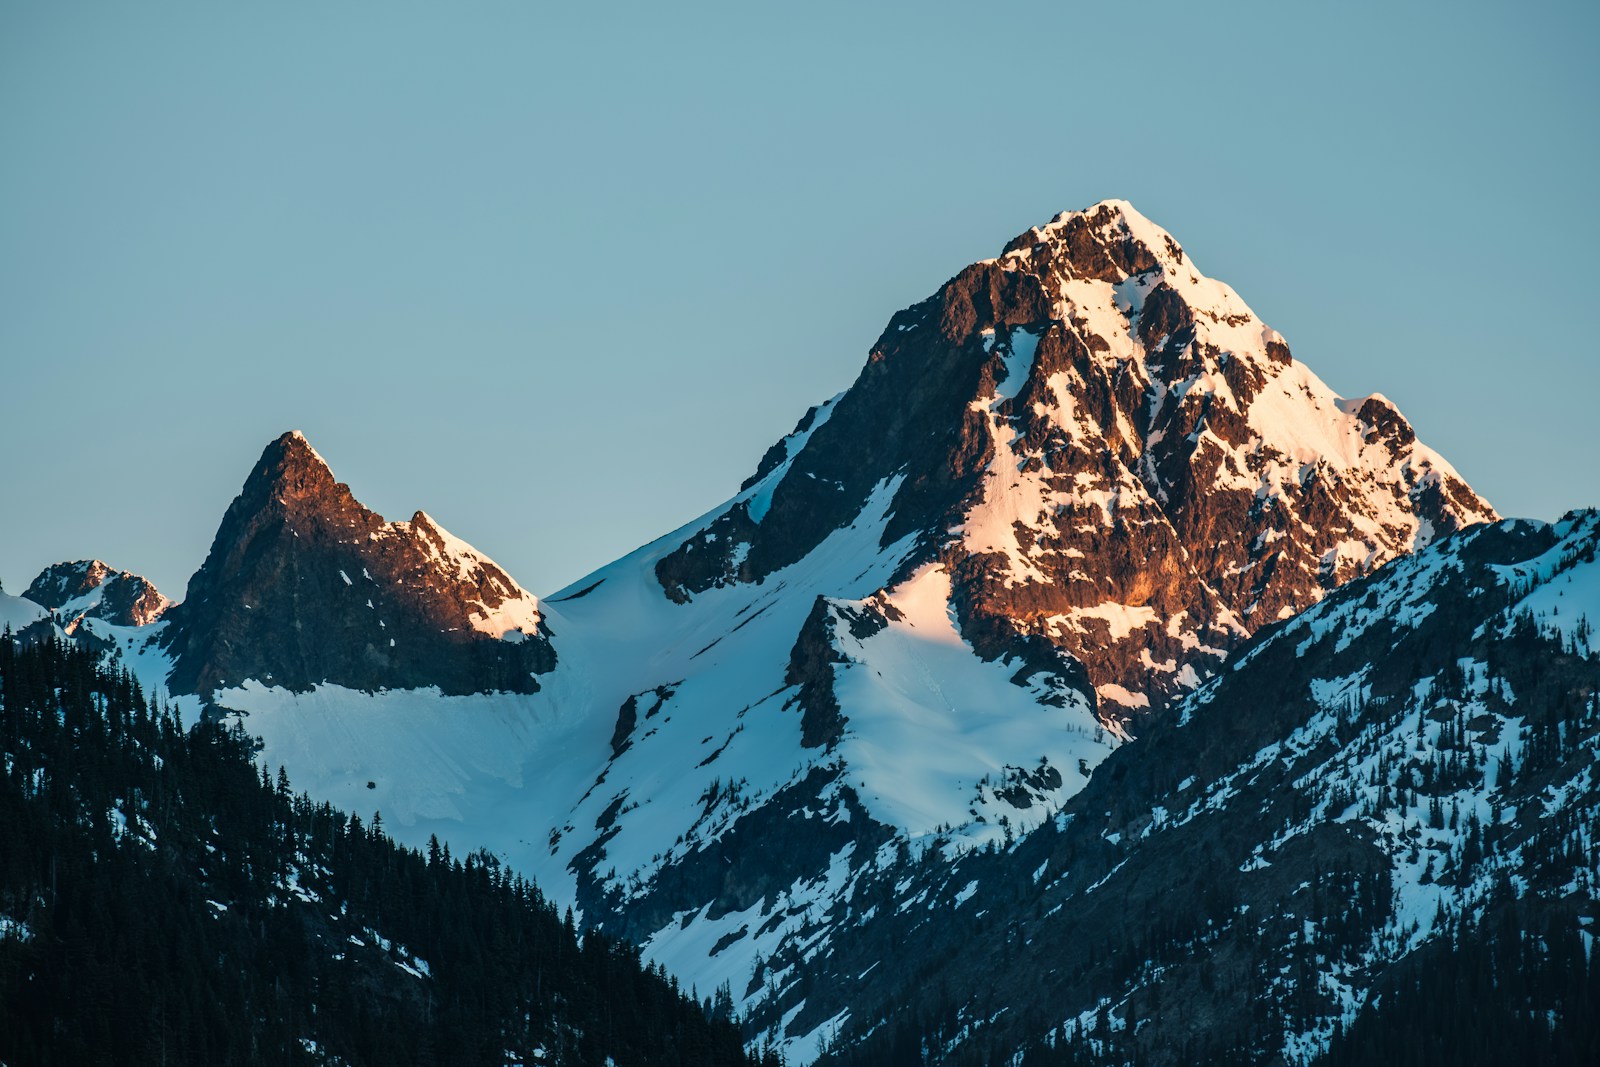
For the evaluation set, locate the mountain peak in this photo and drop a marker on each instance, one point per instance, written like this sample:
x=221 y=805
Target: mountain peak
x=1108 y=241
x=290 y=469
x=304 y=584
x=1063 y=489
x=91 y=588
x=292 y=446
x=1113 y=214
x=1109 y=451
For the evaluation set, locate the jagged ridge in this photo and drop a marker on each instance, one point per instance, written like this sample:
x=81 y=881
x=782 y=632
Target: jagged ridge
x=89 y=588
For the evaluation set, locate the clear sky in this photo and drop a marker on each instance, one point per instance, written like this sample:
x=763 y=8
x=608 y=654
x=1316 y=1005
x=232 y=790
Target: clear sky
x=558 y=274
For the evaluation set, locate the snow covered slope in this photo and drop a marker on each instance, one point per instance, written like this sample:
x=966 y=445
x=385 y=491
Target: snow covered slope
x=19 y=612
x=662 y=770
x=118 y=613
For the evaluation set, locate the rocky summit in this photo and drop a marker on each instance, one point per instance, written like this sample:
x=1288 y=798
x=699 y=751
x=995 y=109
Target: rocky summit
x=90 y=589
x=304 y=585
x=1108 y=453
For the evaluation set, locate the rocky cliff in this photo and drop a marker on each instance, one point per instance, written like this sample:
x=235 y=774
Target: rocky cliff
x=305 y=585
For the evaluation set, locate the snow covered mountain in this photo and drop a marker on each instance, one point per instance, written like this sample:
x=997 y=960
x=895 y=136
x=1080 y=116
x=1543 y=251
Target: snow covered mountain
x=1086 y=683
x=1107 y=452
x=1061 y=491
x=92 y=589
x=1387 y=804
x=303 y=586
x=93 y=604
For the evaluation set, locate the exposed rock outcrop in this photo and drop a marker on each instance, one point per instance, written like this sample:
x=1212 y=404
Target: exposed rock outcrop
x=88 y=588
x=305 y=585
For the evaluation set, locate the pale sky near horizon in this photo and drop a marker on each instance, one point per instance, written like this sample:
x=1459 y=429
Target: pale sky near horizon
x=558 y=275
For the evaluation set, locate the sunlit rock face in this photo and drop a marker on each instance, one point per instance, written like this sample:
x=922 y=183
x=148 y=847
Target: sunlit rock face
x=1109 y=453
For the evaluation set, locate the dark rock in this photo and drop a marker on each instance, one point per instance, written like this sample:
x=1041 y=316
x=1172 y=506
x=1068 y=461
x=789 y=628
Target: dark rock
x=627 y=719
x=89 y=588
x=811 y=663
x=628 y=716
x=304 y=585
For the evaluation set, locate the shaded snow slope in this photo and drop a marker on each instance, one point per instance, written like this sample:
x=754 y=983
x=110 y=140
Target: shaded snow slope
x=18 y=612
x=664 y=726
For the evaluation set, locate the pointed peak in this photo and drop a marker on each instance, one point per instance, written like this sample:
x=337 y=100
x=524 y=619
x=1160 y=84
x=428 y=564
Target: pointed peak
x=292 y=445
x=1117 y=213
x=290 y=475
x=435 y=539
x=370 y=605
x=1109 y=240
x=1100 y=209
x=289 y=461
x=1140 y=228
x=441 y=543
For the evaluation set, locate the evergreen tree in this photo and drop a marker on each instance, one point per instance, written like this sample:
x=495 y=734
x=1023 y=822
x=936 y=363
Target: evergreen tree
x=163 y=900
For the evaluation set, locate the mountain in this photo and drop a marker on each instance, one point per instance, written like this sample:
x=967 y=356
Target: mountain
x=1086 y=683
x=162 y=902
x=303 y=585
x=1063 y=490
x=1107 y=452
x=88 y=601
x=1371 y=838
x=90 y=589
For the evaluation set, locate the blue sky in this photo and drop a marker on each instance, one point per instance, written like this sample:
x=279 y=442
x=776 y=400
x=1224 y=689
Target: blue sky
x=559 y=274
